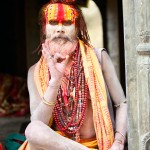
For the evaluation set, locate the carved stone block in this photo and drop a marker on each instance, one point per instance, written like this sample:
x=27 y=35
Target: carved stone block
x=145 y=141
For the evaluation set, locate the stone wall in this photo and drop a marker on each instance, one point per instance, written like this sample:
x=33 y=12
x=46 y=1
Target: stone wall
x=137 y=52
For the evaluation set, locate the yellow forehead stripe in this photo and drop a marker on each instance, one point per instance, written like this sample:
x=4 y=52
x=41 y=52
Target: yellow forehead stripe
x=68 y=13
x=52 y=12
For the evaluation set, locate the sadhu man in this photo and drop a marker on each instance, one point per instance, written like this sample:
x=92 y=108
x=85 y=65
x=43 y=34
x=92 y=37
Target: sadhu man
x=68 y=86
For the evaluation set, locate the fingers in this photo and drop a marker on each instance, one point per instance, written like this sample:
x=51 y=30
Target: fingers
x=52 y=48
x=65 y=61
x=68 y=48
x=48 y=47
x=59 y=58
x=45 y=53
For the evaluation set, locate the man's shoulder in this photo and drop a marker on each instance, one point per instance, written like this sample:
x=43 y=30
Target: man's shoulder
x=31 y=70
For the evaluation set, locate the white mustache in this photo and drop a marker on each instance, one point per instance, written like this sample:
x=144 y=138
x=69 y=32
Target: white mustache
x=65 y=38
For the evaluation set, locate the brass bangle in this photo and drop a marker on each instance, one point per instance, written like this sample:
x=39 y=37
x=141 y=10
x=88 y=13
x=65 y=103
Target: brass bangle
x=47 y=103
x=117 y=105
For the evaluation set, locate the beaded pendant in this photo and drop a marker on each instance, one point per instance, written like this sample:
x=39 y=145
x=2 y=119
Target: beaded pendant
x=70 y=108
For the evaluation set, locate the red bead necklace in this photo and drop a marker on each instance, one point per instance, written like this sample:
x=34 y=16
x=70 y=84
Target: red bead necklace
x=69 y=111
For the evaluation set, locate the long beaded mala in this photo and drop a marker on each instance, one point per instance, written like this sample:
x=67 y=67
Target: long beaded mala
x=70 y=108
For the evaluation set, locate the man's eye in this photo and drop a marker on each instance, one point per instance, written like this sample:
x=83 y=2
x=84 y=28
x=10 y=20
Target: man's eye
x=53 y=22
x=67 y=23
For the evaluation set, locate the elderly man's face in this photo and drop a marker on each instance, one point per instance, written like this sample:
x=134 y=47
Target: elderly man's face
x=60 y=22
x=61 y=30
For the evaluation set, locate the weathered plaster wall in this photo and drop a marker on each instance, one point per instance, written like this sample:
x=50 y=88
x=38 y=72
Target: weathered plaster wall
x=137 y=51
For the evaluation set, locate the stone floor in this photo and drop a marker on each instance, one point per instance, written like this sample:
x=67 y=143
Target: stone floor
x=9 y=125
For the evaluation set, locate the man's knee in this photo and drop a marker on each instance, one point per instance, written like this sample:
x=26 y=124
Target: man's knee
x=37 y=133
x=33 y=130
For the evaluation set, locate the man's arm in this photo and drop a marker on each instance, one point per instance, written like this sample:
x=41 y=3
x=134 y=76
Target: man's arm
x=39 y=110
x=117 y=95
x=42 y=107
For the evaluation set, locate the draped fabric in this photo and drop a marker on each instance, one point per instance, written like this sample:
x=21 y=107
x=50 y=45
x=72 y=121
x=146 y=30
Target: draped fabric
x=94 y=78
x=90 y=143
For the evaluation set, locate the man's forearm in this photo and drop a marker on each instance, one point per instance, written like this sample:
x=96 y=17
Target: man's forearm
x=121 y=122
x=45 y=108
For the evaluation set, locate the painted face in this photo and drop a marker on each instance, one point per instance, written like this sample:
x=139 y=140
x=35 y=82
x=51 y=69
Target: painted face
x=60 y=22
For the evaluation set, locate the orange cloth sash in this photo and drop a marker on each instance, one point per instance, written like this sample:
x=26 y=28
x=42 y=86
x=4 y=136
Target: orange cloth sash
x=94 y=78
x=101 y=117
x=90 y=143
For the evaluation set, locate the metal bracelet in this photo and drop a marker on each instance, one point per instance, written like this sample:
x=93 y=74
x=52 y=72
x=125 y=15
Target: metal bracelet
x=117 y=105
x=47 y=103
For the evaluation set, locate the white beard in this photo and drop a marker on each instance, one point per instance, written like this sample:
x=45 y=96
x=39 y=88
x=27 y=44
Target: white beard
x=62 y=45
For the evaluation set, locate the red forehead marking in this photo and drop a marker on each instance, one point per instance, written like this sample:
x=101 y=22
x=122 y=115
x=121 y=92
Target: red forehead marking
x=60 y=14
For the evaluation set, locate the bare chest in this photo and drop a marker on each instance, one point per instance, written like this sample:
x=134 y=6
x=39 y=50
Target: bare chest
x=87 y=129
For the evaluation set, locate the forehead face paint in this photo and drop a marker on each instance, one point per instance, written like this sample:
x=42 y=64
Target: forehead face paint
x=60 y=12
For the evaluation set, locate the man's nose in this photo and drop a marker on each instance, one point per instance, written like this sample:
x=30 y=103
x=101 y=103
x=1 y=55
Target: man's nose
x=60 y=28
